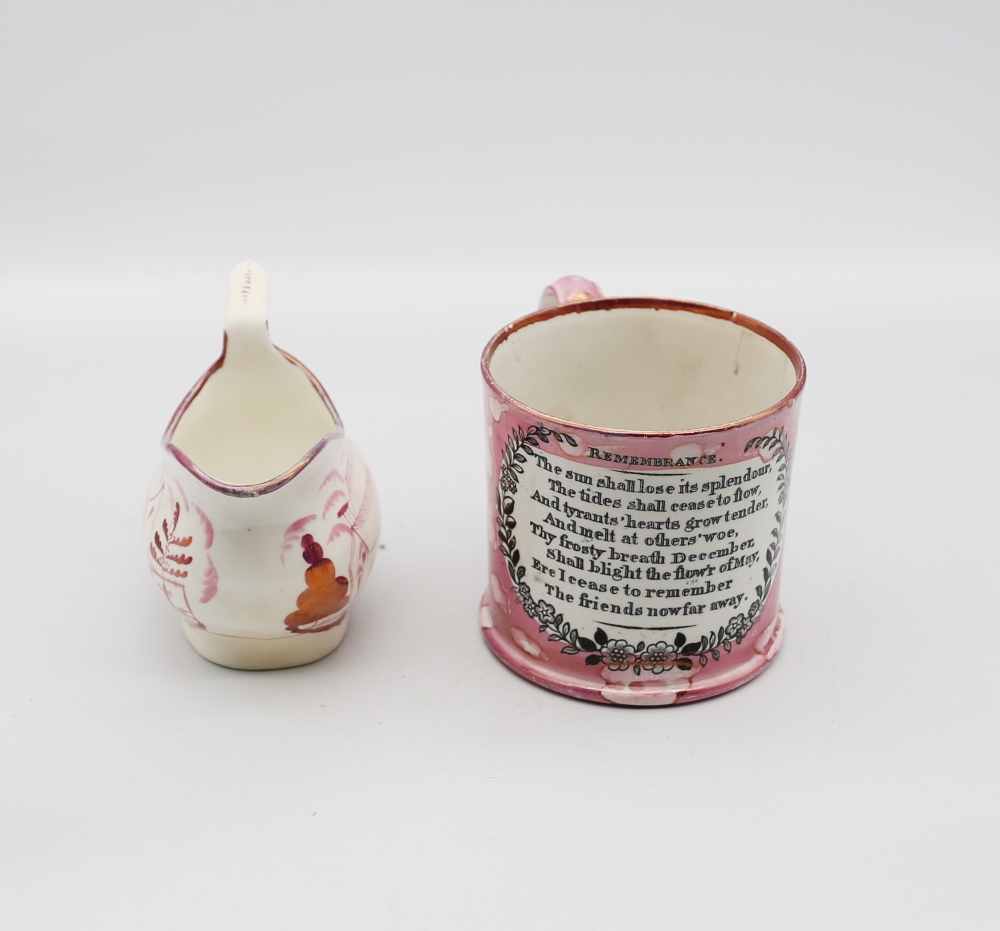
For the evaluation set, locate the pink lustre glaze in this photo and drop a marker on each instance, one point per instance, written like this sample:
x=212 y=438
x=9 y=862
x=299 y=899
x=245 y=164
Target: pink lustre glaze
x=630 y=568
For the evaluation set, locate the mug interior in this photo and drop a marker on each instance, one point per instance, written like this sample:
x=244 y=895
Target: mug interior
x=643 y=368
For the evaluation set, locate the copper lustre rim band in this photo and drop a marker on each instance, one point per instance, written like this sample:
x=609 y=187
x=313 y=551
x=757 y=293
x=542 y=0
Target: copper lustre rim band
x=614 y=303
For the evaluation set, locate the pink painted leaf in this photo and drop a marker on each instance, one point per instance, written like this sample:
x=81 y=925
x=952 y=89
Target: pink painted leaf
x=339 y=530
x=207 y=525
x=330 y=476
x=332 y=501
x=209 y=582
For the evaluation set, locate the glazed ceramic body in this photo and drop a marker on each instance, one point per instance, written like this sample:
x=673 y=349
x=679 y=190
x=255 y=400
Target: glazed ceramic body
x=263 y=571
x=635 y=555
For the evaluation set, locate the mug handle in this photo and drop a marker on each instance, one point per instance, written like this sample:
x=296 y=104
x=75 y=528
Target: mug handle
x=568 y=290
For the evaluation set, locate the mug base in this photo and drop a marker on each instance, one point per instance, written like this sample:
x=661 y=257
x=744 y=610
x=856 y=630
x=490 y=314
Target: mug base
x=276 y=653
x=589 y=686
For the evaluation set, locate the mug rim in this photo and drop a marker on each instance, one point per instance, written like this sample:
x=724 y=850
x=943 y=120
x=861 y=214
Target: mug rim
x=655 y=303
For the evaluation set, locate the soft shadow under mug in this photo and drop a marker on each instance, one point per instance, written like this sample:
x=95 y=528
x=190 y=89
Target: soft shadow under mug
x=638 y=454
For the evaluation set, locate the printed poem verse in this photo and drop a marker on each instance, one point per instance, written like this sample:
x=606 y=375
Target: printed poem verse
x=645 y=551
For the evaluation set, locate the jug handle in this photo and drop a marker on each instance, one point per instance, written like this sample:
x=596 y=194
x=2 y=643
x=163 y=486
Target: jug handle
x=247 y=334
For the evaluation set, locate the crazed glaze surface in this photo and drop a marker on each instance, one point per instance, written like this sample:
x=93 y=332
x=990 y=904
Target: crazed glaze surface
x=263 y=575
x=631 y=568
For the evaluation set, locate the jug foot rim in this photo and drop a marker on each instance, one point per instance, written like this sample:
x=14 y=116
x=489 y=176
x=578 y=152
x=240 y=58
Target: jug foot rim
x=257 y=653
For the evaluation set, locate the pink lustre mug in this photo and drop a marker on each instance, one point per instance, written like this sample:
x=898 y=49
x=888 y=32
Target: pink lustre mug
x=639 y=452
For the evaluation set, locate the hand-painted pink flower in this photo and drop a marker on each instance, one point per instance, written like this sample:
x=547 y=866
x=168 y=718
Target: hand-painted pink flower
x=623 y=688
x=527 y=644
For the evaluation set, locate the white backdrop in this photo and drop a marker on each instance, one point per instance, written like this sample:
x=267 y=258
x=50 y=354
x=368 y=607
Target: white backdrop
x=411 y=176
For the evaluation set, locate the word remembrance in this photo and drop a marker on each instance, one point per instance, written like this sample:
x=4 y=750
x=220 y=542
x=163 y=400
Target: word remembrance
x=641 y=568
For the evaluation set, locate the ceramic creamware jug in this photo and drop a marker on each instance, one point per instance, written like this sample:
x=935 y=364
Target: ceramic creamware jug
x=262 y=519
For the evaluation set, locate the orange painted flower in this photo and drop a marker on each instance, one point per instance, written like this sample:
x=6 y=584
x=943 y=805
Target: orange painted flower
x=325 y=594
